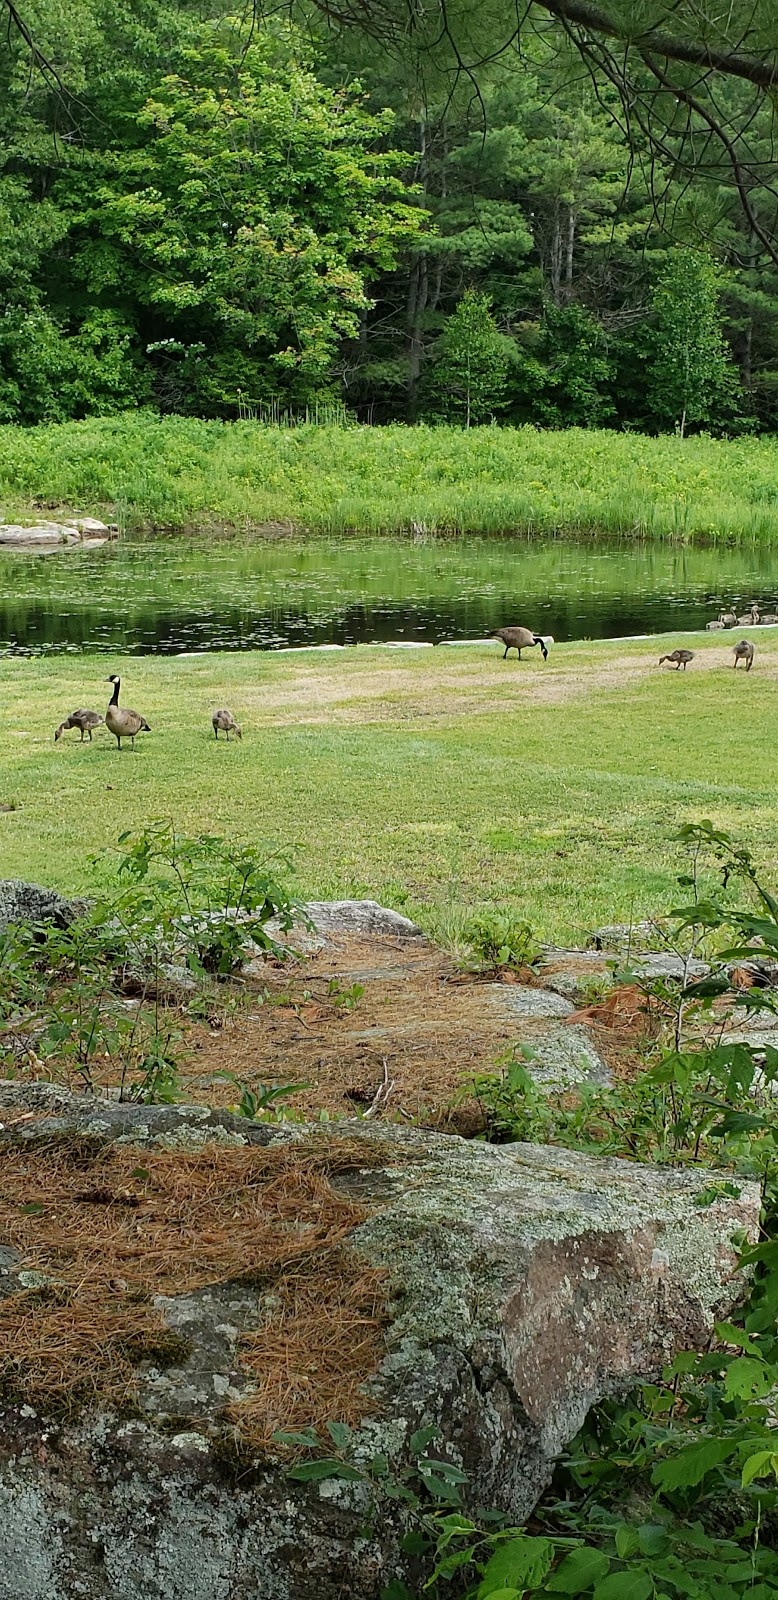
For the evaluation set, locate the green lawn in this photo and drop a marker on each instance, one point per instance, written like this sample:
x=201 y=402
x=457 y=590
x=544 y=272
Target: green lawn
x=181 y=472
x=424 y=778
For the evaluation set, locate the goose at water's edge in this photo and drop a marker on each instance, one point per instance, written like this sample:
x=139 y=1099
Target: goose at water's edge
x=519 y=639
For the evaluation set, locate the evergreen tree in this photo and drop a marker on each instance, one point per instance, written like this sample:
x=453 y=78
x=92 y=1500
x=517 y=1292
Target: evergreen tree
x=472 y=365
x=693 y=379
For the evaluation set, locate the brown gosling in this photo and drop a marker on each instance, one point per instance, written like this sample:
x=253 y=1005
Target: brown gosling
x=751 y=616
x=744 y=651
x=712 y=627
x=222 y=718
x=84 y=720
x=727 y=618
x=519 y=639
x=120 y=720
x=681 y=658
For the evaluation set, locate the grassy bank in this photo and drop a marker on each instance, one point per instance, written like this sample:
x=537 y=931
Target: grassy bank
x=428 y=779
x=143 y=470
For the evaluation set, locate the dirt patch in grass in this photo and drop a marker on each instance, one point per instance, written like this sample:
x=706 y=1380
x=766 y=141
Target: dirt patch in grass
x=103 y=1230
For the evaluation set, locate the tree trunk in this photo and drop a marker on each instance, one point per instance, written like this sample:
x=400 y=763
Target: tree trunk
x=555 y=256
x=570 y=252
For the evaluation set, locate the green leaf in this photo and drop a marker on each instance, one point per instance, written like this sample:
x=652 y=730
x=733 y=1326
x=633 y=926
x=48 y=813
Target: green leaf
x=627 y=1585
x=689 y=1466
x=325 y=1467
x=422 y=1437
x=32 y=1209
x=626 y=1541
x=579 y=1571
x=747 y=1379
x=653 y=1539
x=521 y=1564
x=340 y=1434
x=760 y=1465
x=309 y=1438
x=396 y=1591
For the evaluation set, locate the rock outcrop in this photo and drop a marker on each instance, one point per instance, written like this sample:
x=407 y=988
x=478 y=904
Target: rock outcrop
x=52 y=535
x=525 y=1282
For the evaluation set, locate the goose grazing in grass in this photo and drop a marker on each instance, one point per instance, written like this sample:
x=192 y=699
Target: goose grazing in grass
x=519 y=639
x=119 y=720
x=744 y=651
x=84 y=720
x=222 y=718
x=680 y=658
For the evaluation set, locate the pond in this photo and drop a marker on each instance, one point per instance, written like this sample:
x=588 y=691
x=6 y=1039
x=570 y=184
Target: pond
x=173 y=595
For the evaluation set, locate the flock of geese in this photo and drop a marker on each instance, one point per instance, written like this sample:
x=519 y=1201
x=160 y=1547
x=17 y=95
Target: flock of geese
x=124 y=723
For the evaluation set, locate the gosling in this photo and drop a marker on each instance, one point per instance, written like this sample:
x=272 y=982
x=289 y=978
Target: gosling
x=727 y=619
x=84 y=720
x=713 y=627
x=119 y=720
x=751 y=616
x=222 y=718
x=519 y=639
x=681 y=658
x=744 y=651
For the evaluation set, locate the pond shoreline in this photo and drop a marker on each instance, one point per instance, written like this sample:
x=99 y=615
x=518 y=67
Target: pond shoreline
x=142 y=470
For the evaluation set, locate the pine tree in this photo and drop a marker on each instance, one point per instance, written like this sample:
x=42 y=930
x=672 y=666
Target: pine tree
x=472 y=365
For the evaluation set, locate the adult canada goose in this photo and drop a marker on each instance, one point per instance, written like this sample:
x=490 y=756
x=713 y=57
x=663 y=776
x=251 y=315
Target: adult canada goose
x=120 y=720
x=519 y=639
x=680 y=657
x=85 y=720
x=752 y=617
x=222 y=718
x=744 y=651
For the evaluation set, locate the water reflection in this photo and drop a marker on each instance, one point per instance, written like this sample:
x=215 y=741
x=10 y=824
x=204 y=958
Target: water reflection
x=178 y=595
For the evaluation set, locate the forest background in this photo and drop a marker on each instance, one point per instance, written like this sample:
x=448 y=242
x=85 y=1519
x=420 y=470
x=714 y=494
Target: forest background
x=226 y=216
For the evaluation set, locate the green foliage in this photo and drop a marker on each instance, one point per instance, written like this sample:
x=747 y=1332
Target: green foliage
x=63 y=990
x=693 y=380
x=210 y=895
x=499 y=939
x=472 y=362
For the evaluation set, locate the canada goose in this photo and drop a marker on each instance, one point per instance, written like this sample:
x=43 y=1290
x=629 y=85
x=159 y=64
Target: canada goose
x=680 y=657
x=519 y=639
x=225 y=720
x=744 y=651
x=727 y=618
x=713 y=626
x=120 y=720
x=769 y=619
x=85 y=720
x=752 y=616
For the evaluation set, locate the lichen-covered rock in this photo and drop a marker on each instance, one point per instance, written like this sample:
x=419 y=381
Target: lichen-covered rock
x=528 y=1283
x=30 y=902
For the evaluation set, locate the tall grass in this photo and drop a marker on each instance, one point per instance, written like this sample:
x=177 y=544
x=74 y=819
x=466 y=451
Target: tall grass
x=176 y=472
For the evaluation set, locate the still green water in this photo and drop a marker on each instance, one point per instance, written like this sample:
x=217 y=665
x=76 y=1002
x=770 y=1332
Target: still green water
x=173 y=595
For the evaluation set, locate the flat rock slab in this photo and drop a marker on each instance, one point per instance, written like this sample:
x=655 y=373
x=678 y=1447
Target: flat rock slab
x=569 y=972
x=528 y=1283
x=51 y=535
